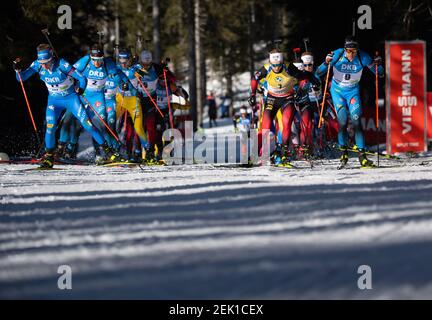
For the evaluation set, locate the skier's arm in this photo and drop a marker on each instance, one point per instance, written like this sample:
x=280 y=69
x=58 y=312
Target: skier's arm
x=69 y=70
x=30 y=71
x=321 y=70
x=117 y=74
x=160 y=72
x=303 y=75
x=331 y=59
x=260 y=74
x=82 y=63
x=371 y=64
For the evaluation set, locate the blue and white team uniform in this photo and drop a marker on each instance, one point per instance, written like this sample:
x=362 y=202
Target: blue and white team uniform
x=95 y=89
x=59 y=81
x=345 y=91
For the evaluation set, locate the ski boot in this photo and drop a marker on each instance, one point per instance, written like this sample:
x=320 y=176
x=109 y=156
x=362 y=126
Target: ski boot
x=71 y=151
x=149 y=158
x=136 y=157
x=344 y=158
x=305 y=153
x=159 y=160
x=60 y=151
x=111 y=155
x=276 y=157
x=365 y=162
x=286 y=158
x=47 y=161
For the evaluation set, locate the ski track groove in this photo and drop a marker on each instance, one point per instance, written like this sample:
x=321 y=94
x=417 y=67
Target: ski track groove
x=204 y=231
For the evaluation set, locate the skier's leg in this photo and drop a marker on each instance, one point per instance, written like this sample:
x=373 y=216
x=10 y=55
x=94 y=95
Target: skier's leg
x=65 y=134
x=52 y=115
x=65 y=128
x=150 y=125
x=342 y=115
x=267 y=121
x=111 y=115
x=306 y=127
x=74 y=105
x=53 y=112
x=287 y=119
x=75 y=131
x=279 y=127
x=133 y=106
x=355 y=110
x=97 y=101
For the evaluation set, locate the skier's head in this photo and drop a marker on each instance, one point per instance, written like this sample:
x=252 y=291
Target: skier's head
x=146 y=58
x=45 y=55
x=308 y=61
x=351 y=47
x=96 y=55
x=276 y=60
x=125 y=58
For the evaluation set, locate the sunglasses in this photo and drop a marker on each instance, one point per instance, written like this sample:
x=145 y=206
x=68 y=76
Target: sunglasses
x=351 y=50
x=97 y=59
x=308 y=65
x=280 y=65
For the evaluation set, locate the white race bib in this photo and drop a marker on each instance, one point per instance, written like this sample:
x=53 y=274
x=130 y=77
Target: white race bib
x=96 y=85
x=60 y=87
x=346 y=79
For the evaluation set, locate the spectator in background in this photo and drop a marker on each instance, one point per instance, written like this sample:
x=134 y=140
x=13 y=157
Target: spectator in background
x=212 y=109
x=225 y=106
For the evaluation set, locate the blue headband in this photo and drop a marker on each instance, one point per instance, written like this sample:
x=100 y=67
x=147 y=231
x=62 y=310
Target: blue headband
x=124 y=55
x=44 y=56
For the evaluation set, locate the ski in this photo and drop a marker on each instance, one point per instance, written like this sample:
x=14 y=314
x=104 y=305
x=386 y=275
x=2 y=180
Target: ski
x=73 y=162
x=154 y=164
x=287 y=166
x=43 y=169
x=120 y=164
x=369 y=153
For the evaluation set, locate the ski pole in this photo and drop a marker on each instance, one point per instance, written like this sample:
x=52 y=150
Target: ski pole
x=46 y=34
x=321 y=132
x=168 y=99
x=148 y=94
x=377 y=108
x=325 y=94
x=100 y=118
x=29 y=108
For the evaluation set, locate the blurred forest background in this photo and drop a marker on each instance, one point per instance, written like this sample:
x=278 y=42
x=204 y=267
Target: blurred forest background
x=203 y=38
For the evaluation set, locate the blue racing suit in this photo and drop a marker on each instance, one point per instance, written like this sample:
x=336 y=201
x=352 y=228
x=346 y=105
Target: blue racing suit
x=70 y=130
x=95 y=90
x=345 y=91
x=111 y=87
x=61 y=95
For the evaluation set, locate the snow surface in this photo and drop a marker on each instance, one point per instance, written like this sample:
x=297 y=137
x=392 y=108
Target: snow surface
x=216 y=232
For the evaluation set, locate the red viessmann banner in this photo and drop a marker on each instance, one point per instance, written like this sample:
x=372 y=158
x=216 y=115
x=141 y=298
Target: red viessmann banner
x=406 y=97
x=429 y=112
